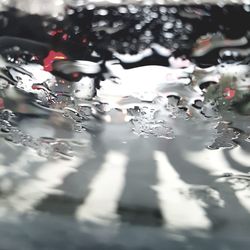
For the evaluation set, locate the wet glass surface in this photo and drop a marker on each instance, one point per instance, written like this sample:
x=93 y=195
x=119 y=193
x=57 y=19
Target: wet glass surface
x=125 y=127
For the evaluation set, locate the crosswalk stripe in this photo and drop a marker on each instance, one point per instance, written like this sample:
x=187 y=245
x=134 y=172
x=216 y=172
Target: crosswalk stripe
x=173 y=194
x=45 y=181
x=211 y=160
x=100 y=205
x=216 y=164
x=241 y=157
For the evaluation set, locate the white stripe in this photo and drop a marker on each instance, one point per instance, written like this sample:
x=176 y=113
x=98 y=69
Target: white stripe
x=18 y=169
x=216 y=164
x=213 y=161
x=36 y=188
x=240 y=156
x=101 y=204
x=180 y=210
x=26 y=160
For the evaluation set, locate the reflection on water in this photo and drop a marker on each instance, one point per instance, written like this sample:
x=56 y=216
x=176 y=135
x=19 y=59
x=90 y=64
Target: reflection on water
x=125 y=127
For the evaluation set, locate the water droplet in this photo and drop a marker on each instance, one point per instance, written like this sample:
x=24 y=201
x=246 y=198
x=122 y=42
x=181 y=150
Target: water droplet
x=168 y=35
x=102 y=12
x=168 y=26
